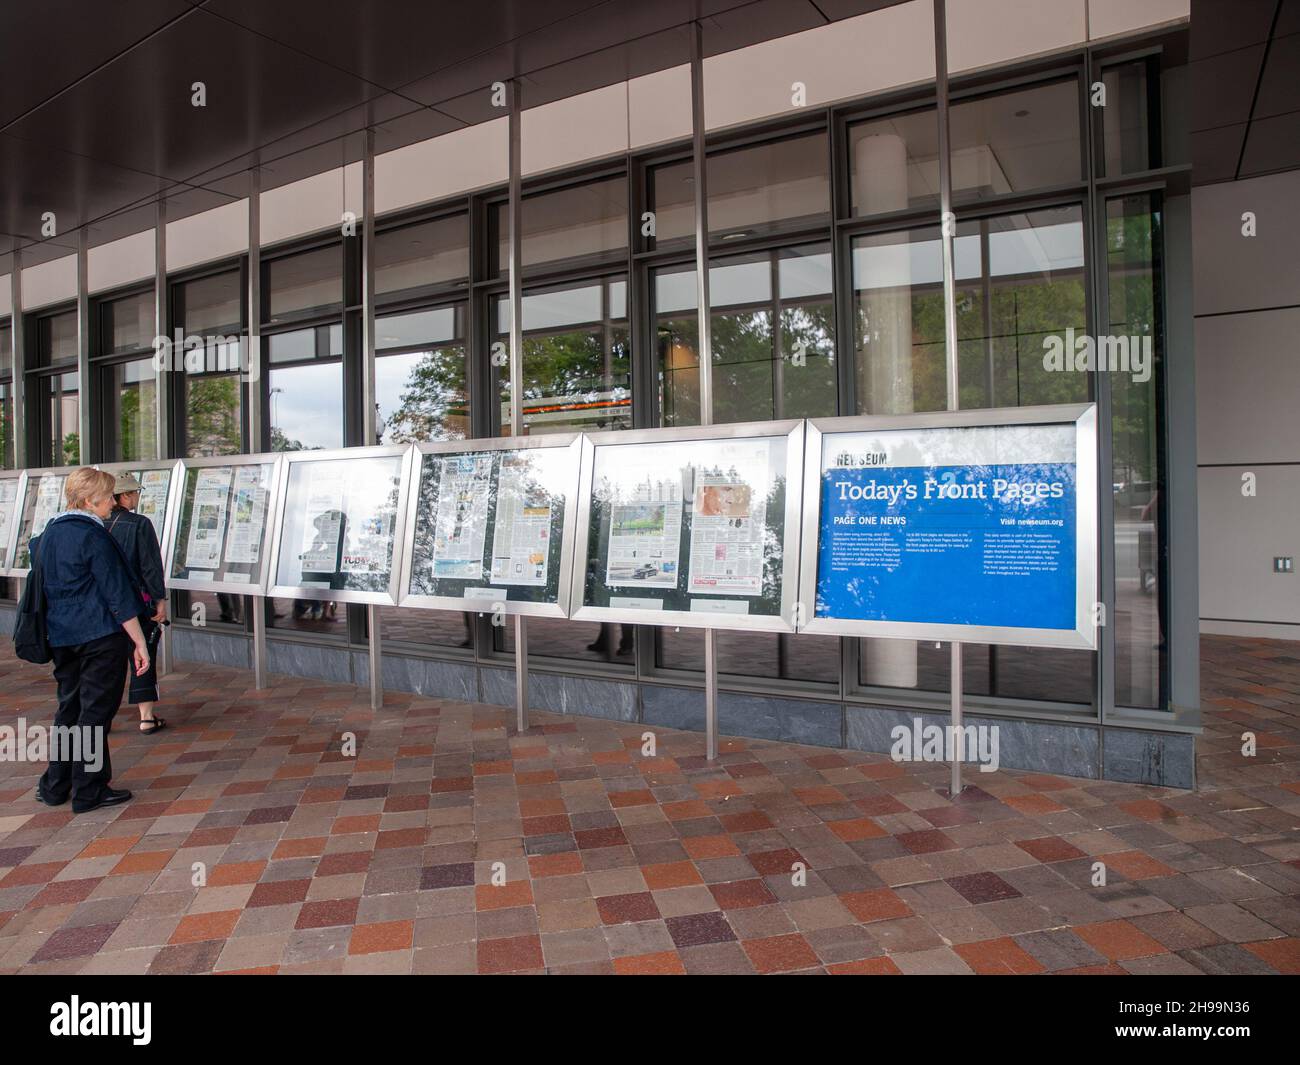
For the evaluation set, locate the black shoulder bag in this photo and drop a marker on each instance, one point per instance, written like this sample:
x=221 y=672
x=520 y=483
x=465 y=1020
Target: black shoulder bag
x=31 y=636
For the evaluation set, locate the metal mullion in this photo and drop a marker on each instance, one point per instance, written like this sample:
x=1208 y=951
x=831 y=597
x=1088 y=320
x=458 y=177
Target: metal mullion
x=440 y=296
x=970 y=87
x=1098 y=319
x=87 y=450
x=18 y=349
x=514 y=212
x=1010 y=203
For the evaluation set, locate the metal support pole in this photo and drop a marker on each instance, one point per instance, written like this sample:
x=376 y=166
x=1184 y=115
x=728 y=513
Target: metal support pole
x=958 y=737
x=699 y=164
x=18 y=347
x=86 y=451
x=517 y=365
x=163 y=398
x=948 y=229
x=368 y=399
x=255 y=416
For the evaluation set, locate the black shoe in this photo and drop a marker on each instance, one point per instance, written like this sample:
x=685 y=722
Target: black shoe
x=42 y=797
x=109 y=797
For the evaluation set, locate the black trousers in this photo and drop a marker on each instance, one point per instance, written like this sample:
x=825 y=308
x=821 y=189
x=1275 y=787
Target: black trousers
x=144 y=688
x=89 y=676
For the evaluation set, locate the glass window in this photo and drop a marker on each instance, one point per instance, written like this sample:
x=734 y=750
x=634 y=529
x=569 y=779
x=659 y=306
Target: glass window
x=1011 y=142
x=569 y=226
x=127 y=324
x=773 y=334
x=421 y=376
x=1134 y=281
x=753 y=190
x=1020 y=282
x=1126 y=127
x=577 y=357
x=310 y=282
x=61 y=396
x=420 y=256
x=133 y=412
x=210 y=304
x=1019 y=279
x=212 y=307
x=306 y=388
x=56 y=339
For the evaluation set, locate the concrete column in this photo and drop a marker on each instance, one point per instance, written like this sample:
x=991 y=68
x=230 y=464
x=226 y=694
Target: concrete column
x=885 y=352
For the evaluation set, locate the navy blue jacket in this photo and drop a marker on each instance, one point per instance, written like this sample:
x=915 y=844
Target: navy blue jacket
x=134 y=532
x=88 y=586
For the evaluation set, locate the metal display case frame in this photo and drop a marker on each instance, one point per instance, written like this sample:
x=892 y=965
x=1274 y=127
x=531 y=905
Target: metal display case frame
x=573 y=443
x=30 y=481
x=173 y=524
x=10 y=544
x=290 y=459
x=792 y=430
x=1083 y=419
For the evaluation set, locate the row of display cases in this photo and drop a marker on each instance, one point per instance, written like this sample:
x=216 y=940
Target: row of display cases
x=707 y=527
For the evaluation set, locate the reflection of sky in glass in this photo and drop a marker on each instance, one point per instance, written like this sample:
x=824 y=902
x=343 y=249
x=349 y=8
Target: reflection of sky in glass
x=310 y=407
x=435 y=326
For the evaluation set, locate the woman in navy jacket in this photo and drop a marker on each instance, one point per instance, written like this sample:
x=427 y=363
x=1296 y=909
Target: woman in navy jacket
x=92 y=618
x=134 y=534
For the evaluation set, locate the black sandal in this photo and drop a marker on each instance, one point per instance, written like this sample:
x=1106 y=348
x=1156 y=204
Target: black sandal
x=158 y=723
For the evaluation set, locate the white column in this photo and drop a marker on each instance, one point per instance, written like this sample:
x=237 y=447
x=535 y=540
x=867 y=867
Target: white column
x=885 y=359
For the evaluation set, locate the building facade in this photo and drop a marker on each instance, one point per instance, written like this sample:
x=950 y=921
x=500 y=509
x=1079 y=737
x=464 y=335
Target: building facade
x=1072 y=204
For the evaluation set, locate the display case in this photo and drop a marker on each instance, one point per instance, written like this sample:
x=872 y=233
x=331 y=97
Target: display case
x=340 y=517
x=219 y=523
x=11 y=484
x=490 y=525
x=157 y=478
x=40 y=498
x=691 y=527
x=975 y=526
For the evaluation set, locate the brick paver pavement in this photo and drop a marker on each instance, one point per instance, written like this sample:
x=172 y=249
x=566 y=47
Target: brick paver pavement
x=448 y=843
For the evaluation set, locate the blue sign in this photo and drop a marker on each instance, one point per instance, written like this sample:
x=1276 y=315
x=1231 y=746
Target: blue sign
x=974 y=544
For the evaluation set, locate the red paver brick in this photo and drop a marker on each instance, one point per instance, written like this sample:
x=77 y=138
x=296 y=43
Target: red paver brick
x=381 y=937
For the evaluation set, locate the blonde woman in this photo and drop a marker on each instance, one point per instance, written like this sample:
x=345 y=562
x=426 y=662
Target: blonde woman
x=92 y=618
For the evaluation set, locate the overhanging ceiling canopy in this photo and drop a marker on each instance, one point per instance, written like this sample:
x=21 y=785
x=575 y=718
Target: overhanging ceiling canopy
x=97 y=119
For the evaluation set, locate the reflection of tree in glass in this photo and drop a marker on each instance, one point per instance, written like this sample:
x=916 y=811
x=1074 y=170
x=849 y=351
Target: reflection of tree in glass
x=136 y=426
x=434 y=405
x=280 y=442
x=212 y=416
x=578 y=366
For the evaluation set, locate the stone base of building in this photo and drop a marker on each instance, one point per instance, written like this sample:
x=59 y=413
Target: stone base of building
x=1084 y=749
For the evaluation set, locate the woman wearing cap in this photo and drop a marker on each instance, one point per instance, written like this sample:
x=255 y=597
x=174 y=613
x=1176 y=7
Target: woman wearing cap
x=135 y=535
